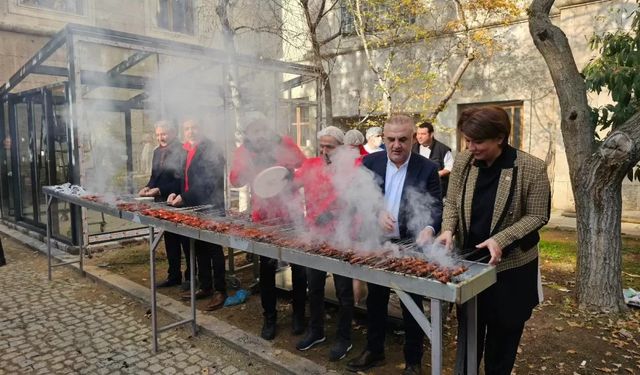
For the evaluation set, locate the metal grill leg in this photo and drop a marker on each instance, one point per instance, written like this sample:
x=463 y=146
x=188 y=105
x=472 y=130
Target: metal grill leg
x=49 y=221
x=192 y=283
x=472 y=336
x=436 y=336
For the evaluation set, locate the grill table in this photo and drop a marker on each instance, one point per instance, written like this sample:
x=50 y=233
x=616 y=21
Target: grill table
x=463 y=291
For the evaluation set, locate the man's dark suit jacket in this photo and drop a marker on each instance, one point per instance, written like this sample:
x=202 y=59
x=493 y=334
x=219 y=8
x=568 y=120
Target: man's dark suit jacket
x=206 y=177
x=422 y=175
x=167 y=168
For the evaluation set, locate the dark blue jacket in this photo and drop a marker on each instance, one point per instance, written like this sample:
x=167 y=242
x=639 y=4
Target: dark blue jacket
x=422 y=176
x=206 y=177
x=167 y=169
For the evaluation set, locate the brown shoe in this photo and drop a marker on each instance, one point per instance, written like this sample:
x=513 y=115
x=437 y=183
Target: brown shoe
x=216 y=302
x=200 y=294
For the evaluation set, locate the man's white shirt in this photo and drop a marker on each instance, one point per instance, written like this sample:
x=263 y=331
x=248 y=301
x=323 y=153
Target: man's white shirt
x=393 y=184
x=448 y=157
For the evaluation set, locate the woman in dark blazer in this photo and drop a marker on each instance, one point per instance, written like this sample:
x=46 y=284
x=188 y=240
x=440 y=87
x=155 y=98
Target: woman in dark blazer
x=499 y=197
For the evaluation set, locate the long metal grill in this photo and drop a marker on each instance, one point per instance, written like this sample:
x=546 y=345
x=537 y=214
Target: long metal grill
x=408 y=272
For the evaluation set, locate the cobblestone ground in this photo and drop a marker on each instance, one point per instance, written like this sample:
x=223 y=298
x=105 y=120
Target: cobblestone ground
x=73 y=326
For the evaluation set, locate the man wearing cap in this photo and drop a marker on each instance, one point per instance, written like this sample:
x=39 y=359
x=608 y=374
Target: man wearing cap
x=323 y=207
x=263 y=148
x=374 y=140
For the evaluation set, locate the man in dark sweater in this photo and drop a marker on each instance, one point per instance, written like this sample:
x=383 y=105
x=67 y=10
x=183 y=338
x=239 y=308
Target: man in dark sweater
x=434 y=150
x=203 y=184
x=166 y=174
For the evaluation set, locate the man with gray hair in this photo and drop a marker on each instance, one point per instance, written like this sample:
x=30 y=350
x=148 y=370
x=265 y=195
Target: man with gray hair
x=322 y=208
x=374 y=140
x=166 y=174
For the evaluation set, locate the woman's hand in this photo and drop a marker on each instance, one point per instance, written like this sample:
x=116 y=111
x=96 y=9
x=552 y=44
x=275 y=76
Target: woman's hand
x=153 y=192
x=494 y=249
x=143 y=192
x=445 y=239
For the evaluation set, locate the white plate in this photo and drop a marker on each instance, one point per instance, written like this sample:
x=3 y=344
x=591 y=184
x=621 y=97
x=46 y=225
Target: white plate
x=270 y=182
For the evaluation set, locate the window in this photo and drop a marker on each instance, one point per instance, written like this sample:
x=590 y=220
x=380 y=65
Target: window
x=347 y=22
x=376 y=16
x=176 y=16
x=515 y=111
x=66 y=6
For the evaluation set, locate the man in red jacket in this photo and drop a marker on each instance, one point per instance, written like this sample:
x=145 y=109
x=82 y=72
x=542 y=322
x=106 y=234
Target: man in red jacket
x=323 y=207
x=263 y=148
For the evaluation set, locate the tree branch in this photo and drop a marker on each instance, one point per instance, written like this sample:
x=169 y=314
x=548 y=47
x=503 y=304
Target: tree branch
x=329 y=39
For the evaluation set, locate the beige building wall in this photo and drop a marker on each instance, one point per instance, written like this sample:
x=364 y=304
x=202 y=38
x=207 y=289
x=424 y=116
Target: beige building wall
x=517 y=72
x=24 y=29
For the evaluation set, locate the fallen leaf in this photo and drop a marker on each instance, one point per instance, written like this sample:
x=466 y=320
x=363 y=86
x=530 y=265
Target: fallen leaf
x=559 y=329
x=571 y=351
x=604 y=369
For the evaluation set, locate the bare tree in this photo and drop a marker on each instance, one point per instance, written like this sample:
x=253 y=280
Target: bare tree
x=313 y=19
x=596 y=169
x=389 y=30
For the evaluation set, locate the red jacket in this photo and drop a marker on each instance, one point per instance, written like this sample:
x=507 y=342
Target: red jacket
x=247 y=164
x=321 y=198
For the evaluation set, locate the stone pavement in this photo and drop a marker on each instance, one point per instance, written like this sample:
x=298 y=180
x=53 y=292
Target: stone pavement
x=74 y=326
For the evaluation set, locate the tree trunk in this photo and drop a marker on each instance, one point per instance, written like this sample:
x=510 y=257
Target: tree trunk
x=596 y=172
x=599 y=260
x=328 y=101
x=222 y=10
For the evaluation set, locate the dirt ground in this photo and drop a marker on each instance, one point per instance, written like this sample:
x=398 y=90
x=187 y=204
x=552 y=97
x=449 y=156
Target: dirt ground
x=559 y=339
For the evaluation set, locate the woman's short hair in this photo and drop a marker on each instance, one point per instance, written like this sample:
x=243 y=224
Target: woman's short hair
x=486 y=122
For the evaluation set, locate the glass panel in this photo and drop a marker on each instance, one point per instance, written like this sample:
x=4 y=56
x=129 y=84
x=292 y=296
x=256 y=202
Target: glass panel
x=61 y=214
x=41 y=157
x=25 y=159
x=6 y=171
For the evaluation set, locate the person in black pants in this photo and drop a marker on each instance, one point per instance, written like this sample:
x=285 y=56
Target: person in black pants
x=262 y=148
x=398 y=170
x=203 y=184
x=323 y=210
x=3 y=261
x=166 y=174
x=503 y=219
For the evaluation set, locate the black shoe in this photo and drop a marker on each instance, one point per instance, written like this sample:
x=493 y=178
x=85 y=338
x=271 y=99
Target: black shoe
x=268 y=329
x=297 y=325
x=310 y=340
x=3 y=262
x=412 y=370
x=167 y=283
x=339 y=350
x=365 y=361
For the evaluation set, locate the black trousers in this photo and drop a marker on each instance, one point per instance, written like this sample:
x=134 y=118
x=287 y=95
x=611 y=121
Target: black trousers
x=377 y=312
x=344 y=292
x=176 y=245
x=500 y=325
x=268 y=267
x=210 y=257
x=3 y=261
